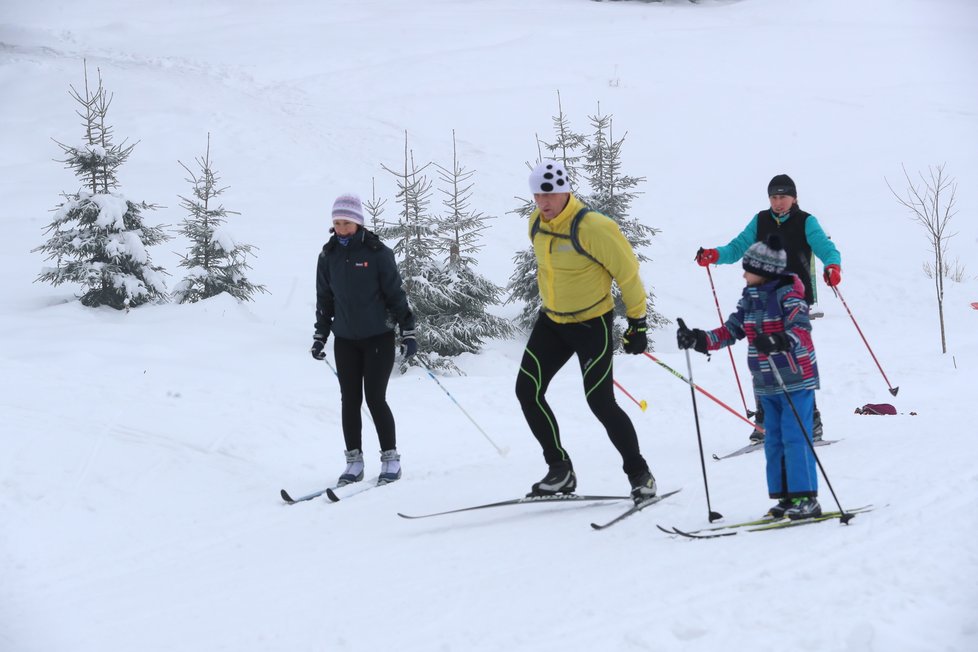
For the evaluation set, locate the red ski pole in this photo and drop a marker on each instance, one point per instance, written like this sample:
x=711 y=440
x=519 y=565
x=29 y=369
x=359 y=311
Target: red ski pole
x=641 y=404
x=733 y=364
x=893 y=390
x=703 y=391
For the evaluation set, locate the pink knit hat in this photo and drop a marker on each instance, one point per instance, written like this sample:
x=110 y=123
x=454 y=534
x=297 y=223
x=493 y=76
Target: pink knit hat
x=348 y=207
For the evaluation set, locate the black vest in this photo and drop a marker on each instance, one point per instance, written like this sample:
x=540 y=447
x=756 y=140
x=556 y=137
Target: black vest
x=792 y=234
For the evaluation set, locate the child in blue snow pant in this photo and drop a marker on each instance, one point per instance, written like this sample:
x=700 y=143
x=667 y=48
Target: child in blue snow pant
x=772 y=315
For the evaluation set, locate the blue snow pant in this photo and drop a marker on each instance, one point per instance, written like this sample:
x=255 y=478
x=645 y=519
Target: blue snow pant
x=790 y=462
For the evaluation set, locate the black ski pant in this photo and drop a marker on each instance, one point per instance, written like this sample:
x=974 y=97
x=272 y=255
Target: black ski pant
x=364 y=368
x=550 y=346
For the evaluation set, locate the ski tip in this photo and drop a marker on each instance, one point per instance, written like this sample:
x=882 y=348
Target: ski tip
x=286 y=497
x=716 y=457
x=331 y=495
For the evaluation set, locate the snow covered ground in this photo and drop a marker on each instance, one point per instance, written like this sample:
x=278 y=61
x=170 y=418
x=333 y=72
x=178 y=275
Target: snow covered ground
x=142 y=453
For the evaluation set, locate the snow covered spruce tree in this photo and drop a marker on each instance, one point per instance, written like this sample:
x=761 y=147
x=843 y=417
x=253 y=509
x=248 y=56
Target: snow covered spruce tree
x=457 y=235
x=375 y=208
x=522 y=286
x=216 y=262
x=425 y=281
x=98 y=239
x=612 y=193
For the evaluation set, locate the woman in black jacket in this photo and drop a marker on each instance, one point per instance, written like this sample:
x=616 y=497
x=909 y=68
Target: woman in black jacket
x=359 y=299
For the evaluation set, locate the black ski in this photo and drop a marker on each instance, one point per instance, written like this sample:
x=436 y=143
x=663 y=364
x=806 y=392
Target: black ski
x=525 y=500
x=634 y=509
x=693 y=535
x=750 y=448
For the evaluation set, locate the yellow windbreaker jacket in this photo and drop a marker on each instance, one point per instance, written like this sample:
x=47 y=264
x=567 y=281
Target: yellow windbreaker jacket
x=574 y=288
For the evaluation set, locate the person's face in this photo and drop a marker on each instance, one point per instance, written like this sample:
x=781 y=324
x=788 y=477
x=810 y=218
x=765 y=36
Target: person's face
x=550 y=204
x=344 y=228
x=754 y=279
x=781 y=204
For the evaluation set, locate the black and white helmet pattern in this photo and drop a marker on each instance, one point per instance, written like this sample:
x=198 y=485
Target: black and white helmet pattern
x=549 y=177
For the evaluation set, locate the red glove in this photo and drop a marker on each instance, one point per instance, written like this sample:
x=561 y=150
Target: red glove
x=832 y=275
x=707 y=257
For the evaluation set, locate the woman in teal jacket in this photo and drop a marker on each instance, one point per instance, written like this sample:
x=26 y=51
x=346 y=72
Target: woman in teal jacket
x=801 y=236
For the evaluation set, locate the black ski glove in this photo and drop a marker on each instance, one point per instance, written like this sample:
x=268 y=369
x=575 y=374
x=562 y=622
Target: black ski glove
x=772 y=343
x=409 y=344
x=635 y=340
x=690 y=339
x=318 y=343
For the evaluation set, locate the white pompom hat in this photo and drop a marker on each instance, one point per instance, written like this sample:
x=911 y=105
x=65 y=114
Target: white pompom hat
x=548 y=178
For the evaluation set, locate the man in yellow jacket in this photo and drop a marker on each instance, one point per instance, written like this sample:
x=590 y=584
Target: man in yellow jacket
x=579 y=252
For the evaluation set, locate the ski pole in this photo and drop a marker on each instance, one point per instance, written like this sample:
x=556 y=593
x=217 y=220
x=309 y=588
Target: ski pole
x=501 y=451
x=733 y=364
x=893 y=390
x=703 y=391
x=845 y=518
x=699 y=440
x=362 y=408
x=641 y=404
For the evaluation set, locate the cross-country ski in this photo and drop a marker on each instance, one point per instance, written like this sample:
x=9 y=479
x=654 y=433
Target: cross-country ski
x=758 y=525
x=292 y=501
x=634 y=509
x=750 y=448
x=525 y=500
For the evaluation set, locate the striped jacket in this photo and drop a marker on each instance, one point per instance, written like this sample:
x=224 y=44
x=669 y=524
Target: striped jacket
x=778 y=306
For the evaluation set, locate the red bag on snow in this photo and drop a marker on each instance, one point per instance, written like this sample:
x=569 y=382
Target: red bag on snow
x=876 y=408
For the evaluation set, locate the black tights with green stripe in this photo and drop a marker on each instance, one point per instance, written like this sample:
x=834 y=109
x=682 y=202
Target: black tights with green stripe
x=550 y=346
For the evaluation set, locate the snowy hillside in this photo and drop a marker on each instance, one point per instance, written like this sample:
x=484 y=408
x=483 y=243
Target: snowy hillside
x=142 y=454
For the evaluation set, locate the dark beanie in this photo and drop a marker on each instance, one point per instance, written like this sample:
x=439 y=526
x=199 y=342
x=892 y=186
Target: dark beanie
x=782 y=185
x=766 y=258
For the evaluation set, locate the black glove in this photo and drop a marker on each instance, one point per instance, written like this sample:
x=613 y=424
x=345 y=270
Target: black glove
x=690 y=339
x=772 y=343
x=635 y=340
x=409 y=344
x=318 y=343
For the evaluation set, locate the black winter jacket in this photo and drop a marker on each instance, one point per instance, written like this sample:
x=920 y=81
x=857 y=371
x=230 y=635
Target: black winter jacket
x=359 y=293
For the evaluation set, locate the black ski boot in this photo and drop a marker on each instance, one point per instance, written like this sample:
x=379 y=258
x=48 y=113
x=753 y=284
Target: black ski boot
x=643 y=486
x=816 y=426
x=803 y=508
x=560 y=479
x=778 y=510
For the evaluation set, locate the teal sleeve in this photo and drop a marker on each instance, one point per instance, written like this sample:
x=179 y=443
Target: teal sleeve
x=822 y=246
x=735 y=249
